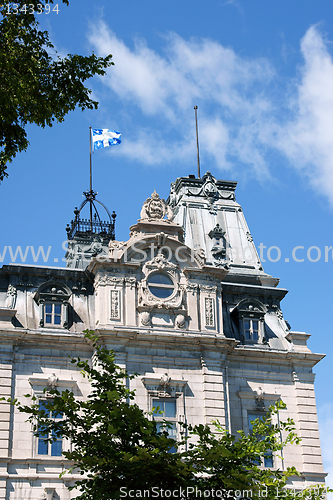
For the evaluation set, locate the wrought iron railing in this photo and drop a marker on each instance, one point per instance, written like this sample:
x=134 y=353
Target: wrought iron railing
x=85 y=228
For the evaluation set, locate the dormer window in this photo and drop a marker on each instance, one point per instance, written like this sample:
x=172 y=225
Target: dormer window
x=249 y=314
x=52 y=298
x=52 y=314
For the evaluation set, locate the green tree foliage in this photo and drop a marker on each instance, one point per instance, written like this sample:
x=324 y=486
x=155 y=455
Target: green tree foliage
x=117 y=447
x=37 y=86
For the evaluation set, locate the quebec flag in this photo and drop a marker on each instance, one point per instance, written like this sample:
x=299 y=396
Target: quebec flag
x=103 y=137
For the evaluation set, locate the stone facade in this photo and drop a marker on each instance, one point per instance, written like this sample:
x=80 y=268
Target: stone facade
x=185 y=303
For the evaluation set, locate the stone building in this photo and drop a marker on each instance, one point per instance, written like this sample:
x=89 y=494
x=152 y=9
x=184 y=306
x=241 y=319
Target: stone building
x=184 y=302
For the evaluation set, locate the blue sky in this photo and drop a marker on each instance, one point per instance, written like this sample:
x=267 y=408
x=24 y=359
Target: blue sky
x=261 y=73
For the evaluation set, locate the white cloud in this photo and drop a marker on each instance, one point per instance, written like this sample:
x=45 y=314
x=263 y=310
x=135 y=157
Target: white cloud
x=245 y=111
x=307 y=139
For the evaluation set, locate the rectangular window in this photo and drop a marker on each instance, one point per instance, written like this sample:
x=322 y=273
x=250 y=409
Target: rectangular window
x=268 y=456
x=52 y=314
x=168 y=407
x=251 y=329
x=53 y=449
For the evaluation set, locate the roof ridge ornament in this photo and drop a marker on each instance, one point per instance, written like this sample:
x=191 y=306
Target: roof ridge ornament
x=210 y=190
x=155 y=208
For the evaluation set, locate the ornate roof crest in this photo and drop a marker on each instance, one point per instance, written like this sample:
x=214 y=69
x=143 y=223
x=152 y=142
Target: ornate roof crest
x=155 y=208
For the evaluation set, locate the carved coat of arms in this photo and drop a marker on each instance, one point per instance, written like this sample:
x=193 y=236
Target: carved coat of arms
x=155 y=208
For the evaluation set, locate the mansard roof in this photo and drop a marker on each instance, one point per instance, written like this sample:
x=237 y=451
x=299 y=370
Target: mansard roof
x=214 y=222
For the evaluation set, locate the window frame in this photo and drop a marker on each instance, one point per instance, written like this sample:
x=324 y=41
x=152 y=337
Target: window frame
x=160 y=419
x=49 y=445
x=252 y=330
x=268 y=455
x=53 y=313
x=53 y=292
x=161 y=285
x=250 y=310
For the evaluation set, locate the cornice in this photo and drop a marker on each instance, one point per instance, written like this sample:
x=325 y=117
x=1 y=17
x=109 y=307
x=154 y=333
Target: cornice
x=253 y=289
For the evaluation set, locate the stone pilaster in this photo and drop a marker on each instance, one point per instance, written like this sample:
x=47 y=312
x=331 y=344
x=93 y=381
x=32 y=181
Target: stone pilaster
x=213 y=391
x=308 y=422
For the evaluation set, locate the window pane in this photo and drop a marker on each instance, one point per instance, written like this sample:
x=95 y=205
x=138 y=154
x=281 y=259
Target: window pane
x=161 y=293
x=246 y=324
x=172 y=433
x=161 y=279
x=57 y=320
x=251 y=419
x=48 y=308
x=268 y=459
x=56 y=448
x=160 y=427
x=170 y=409
x=57 y=309
x=48 y=318
x=159 y=406
x=42 y=406
x=255 y=325
x=42 y=447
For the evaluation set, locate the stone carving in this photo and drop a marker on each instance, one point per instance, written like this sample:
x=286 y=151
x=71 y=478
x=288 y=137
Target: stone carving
x=161 y=239
x=115 y=310
x=249 y=237
x=52 y=381
x=172 y=195
x=11 y=297
x=208 y=190
x=48 y=494
x=192 y=287
x=146 y=298
x=145 y=318
x=259 y=399
x=160 y=262
x=199 y=254
x=218 y=248
x=115 y=248
x=108 y=280
x=208 y=288
x=165 y=381
x=180 y=321
x=130 y=281
x=134 y=234
x=155 y=208
x=259 y=394
x=209 y=312
x=95 y=247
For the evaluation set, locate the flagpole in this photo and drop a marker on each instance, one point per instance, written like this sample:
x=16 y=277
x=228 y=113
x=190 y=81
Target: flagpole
x=196 y=128
x=90 y=180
